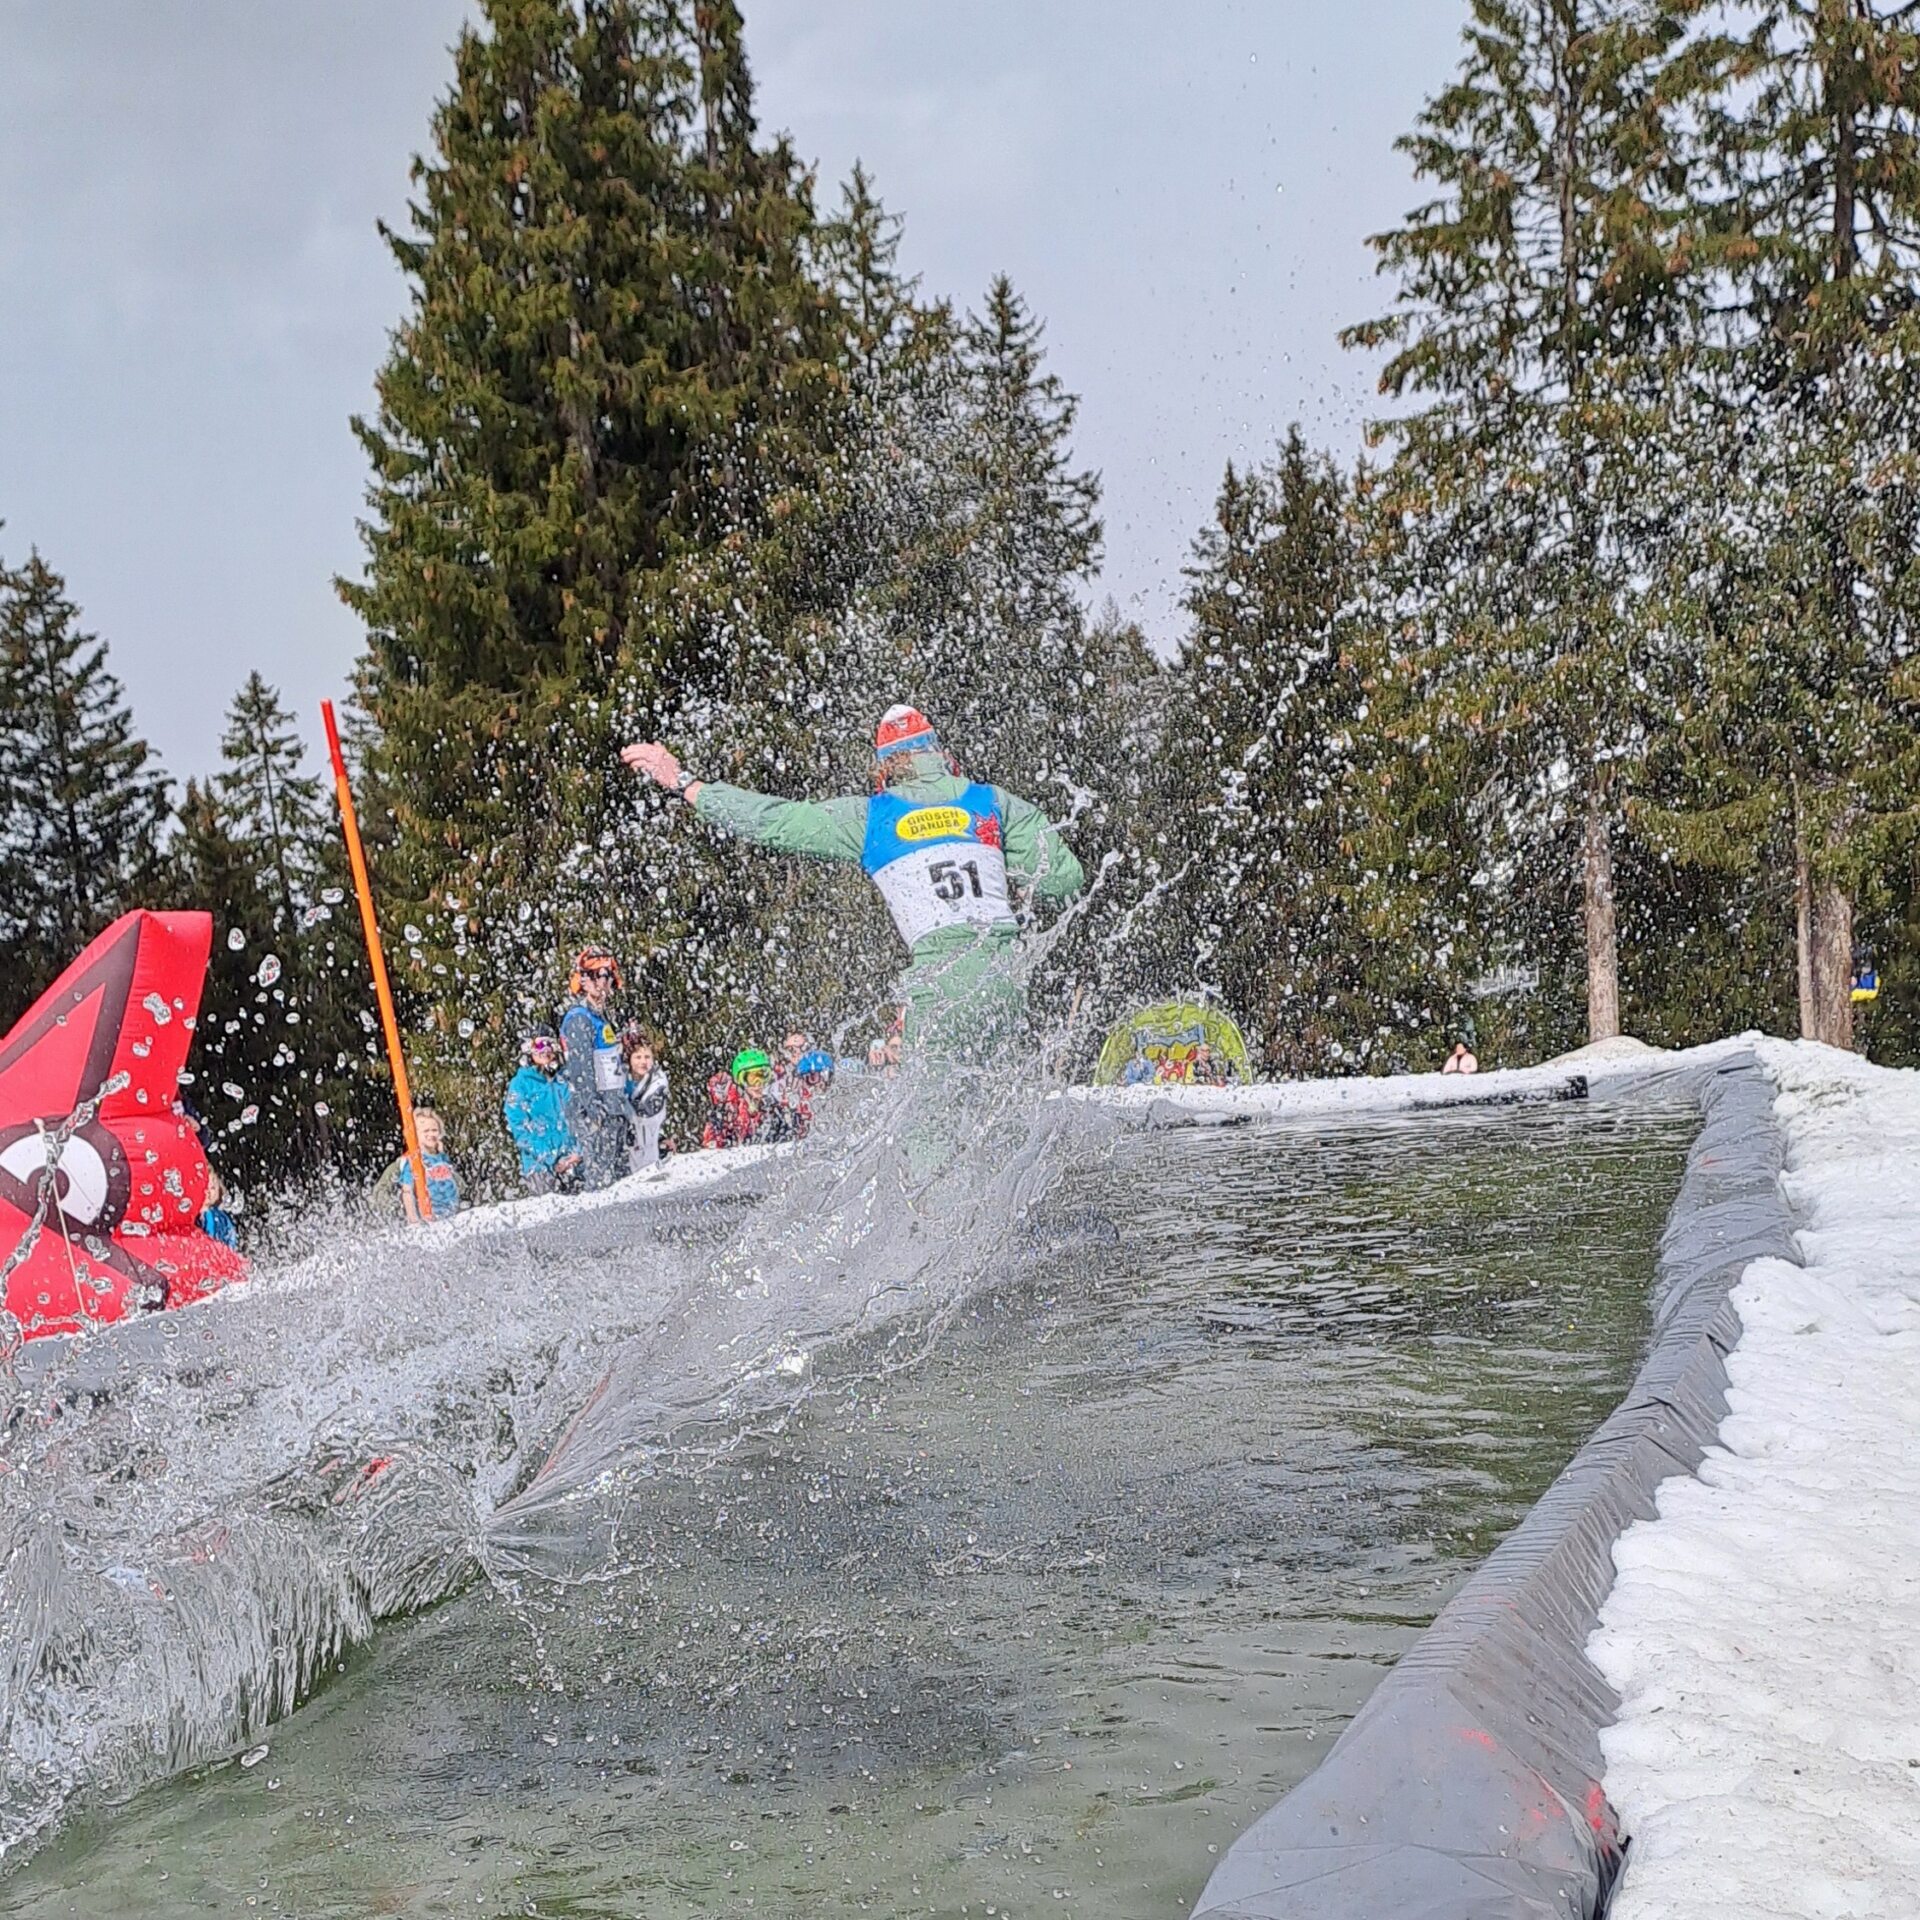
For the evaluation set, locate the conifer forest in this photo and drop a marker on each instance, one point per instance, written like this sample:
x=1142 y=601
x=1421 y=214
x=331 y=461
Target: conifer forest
x=1586 y=702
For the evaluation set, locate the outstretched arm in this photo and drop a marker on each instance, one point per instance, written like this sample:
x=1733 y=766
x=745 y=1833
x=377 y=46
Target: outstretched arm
x=820 y=829
x=1037 y=857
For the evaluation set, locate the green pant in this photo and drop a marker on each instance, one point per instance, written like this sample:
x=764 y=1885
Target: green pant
x=965 y=1008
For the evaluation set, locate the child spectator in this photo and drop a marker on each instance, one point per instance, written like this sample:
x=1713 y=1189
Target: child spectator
x=215 y=1219
x=1460 y=1060
x=811 y=1076
x=646 y=1098
x=786 y=1072
x=742 y=1114
x=539 y=1115
x=786 y=1068
x=443 y=1184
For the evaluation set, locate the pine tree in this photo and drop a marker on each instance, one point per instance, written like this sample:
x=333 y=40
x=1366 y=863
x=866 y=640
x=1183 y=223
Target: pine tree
x=280 y=1081
x=1539 y=292
x=1248 y=807
x=861 y=250
x=1802 y=573
x=271 y=802
x=1035 y=539
x=83 y=804
x=613 y=386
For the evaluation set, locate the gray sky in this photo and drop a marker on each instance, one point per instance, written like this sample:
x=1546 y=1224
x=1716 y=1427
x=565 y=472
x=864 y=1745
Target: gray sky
x=193 y=298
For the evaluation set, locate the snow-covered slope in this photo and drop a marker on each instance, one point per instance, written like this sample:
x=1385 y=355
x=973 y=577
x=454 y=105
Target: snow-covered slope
x=1764 y=1631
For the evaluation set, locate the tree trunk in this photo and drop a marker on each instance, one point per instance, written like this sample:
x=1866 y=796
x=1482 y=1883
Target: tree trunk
x=1603 y=952
x=1803 y=929
x=1832 y=965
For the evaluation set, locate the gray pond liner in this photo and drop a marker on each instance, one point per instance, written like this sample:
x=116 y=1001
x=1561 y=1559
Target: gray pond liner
x=1468 y=1787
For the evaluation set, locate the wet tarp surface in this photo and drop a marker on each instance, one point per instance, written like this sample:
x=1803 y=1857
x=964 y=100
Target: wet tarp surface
x=1468 y=1787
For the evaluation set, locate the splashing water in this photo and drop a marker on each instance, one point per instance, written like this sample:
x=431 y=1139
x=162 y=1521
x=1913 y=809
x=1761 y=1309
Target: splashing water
x=200 y=1511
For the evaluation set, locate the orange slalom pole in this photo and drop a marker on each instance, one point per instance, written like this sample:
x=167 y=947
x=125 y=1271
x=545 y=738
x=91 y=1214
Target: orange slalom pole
x=357 y=859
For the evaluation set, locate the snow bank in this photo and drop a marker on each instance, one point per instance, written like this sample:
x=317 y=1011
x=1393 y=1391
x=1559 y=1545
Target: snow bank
x=1361 y=1097
x=679 y=1174
x=1764 y=1631
x=1623 y=1050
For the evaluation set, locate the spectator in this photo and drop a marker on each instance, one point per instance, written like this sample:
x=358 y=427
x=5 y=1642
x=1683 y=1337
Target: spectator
x=1138 y=1072
x=443 y=1184
x=742 y=1114
x=786 y=1067
x=1460 y=1060
x=596 y=1069
x=812 y=1075
x=539 y=1115
x=215 y=1218
x=646 y=1100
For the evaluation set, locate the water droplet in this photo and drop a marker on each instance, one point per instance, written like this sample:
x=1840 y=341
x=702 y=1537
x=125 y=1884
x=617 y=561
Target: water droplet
x=414 y=935
x=332 y=896
x=254 y=1755
x=162 y=1013
x=269 y=970
x=235 y=939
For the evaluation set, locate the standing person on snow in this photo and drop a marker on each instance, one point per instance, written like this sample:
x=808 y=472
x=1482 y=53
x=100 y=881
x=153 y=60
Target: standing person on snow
x=539 y=1116
x=596 y=1069
x=945 y=853
x=647 y=1092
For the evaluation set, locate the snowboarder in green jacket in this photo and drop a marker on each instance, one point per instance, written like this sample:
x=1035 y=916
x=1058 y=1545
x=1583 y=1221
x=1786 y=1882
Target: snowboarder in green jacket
x=945 y=852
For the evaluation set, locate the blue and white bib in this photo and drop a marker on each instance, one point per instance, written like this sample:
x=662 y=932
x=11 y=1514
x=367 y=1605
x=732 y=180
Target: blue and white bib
x=939 y=866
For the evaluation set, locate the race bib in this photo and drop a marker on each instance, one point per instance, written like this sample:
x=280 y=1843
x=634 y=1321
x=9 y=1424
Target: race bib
x=609 y=1070
x=939 y=866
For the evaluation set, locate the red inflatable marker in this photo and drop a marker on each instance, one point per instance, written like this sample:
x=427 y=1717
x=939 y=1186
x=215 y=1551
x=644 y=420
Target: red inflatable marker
x=102 y=1181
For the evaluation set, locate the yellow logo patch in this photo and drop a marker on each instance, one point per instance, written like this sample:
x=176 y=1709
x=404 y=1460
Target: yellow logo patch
x=934 y=823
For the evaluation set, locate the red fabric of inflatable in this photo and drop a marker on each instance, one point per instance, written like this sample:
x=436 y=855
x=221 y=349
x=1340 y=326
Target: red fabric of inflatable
x=102 y=1182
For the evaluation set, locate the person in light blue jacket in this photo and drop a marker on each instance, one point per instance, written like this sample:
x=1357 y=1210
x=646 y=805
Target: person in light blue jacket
x=539 y=1112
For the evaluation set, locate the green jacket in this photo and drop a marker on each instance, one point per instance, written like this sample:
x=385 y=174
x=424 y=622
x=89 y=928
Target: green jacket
x=1037 y=858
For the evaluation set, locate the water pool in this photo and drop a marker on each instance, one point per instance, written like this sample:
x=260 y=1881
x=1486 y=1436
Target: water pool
x=1035 y=1626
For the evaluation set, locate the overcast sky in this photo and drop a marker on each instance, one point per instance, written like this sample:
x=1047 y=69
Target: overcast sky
x=193 y=298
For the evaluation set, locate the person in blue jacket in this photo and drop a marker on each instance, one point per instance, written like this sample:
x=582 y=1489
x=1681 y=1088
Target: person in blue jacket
x=596 y=1069
x=215 y=1217
x=443 y=1184
x=539 y=1112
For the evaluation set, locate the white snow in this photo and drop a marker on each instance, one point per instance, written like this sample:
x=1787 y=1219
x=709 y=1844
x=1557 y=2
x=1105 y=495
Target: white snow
x=1764 y=1631
x=677 y=1174
x=1622 y=1050
x=1363 y=1094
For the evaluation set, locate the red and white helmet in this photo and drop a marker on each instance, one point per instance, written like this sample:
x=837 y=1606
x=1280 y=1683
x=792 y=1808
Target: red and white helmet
x=904 y=730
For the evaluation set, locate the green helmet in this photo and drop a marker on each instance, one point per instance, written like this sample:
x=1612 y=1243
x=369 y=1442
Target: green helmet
x=750 y=1060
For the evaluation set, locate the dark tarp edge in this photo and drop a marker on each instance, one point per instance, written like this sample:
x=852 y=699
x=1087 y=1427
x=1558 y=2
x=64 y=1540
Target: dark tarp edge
x=1468 y=1786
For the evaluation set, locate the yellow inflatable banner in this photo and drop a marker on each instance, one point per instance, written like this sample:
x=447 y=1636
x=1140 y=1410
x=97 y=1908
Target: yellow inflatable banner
x=1176 y=1042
